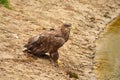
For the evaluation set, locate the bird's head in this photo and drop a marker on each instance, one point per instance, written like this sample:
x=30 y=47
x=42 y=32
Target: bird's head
x=67 y=25
x=65 y=30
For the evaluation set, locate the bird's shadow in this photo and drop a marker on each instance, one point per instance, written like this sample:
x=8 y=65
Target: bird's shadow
x=37 y=56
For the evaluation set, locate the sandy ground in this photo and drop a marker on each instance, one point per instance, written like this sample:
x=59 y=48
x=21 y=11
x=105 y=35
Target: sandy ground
x=30 y=17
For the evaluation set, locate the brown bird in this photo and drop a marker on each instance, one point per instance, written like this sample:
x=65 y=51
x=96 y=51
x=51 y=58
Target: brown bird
x=49 y=42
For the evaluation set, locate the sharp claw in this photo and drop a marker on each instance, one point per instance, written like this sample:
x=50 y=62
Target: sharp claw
x=59 y=63
x=56 y=63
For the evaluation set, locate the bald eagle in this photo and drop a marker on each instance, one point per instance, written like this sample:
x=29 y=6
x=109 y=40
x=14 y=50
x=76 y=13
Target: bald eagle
x=49 y=42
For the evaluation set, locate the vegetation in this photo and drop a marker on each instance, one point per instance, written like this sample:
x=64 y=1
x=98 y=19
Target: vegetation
x=72 y=74
x=5 y=3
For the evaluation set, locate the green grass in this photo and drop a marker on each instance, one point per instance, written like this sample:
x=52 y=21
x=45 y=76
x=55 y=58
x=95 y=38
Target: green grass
x=5 y=3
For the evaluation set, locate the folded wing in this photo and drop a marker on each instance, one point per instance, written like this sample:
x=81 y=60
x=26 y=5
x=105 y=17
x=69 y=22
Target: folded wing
x=46 y=42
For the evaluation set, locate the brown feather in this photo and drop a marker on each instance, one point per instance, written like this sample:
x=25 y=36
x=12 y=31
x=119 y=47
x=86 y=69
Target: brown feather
x=49 y=41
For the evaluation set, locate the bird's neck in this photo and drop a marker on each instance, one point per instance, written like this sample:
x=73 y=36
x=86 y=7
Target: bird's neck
x=65 y=33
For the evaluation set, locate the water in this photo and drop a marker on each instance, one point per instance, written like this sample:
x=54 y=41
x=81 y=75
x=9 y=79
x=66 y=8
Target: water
x=107 y=56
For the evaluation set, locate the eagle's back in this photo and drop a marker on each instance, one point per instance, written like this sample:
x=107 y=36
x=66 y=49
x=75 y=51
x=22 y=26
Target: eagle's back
x=46 y=42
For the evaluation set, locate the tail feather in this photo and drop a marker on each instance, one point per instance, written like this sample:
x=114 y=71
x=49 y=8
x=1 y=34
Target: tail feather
x=24 y=49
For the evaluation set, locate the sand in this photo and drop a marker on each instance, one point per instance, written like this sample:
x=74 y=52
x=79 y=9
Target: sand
x=31 y=17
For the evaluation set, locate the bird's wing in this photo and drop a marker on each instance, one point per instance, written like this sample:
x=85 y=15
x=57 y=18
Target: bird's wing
x=33 y=39
x=56 y=37
x=31 y=43
x=47 y=41
x=37 y=42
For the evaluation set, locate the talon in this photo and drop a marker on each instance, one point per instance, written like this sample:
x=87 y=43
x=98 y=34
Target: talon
x=59 y=62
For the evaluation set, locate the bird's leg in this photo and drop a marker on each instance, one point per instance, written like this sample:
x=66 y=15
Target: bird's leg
x=54 y=57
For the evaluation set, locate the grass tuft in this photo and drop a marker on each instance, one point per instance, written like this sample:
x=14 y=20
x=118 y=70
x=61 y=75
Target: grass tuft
x=72 y=74
x=5 y=3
